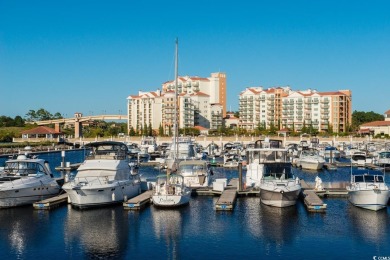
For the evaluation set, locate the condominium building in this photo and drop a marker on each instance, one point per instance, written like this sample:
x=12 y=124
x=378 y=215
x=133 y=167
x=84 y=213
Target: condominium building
x=282 y=107
x=200 y=102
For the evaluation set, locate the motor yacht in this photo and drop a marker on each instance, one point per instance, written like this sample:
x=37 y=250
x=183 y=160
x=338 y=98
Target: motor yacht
x=25 y=180
x=105 y=177
x=196 y=173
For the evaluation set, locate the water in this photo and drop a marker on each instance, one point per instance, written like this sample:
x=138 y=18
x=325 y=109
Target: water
x=197 y=231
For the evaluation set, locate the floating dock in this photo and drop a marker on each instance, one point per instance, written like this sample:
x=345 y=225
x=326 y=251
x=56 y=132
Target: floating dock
x=228 y=196
x=310 y=198
x=139 y=201
x=51 y=202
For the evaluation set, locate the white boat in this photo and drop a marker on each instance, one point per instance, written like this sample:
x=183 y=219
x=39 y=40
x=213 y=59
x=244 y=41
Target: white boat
x=270 y=170
x=170 y=191
x=181 y=149
x=383 y=158
x=26 y=180
x=330 y=152
x=310 y=160
x=149 y=144
x=196 y=173
x=368 y=191
x=105 y=177
x=360 y=158
x=231 y=160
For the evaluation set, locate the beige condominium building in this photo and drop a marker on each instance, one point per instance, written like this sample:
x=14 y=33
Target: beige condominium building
x=200 y=102
x=283 y=107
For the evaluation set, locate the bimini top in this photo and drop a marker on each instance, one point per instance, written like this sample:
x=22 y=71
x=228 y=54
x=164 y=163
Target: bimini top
x=107 y=150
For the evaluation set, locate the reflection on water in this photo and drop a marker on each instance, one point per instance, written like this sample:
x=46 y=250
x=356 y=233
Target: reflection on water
x=99 y=231
x=371 y=226
x=168 y=227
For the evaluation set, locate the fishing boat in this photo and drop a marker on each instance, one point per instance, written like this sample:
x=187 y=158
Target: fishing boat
x=26 y=179
x=270 y=170
x=368 y=191
x=170 y=190
x=107 y=176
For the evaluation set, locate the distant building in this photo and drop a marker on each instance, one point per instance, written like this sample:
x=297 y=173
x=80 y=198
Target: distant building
x=201 y=102
x=285 y=108
x=377 y=127
x=42 y=133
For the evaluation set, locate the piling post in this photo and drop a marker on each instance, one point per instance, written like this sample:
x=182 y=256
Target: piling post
x=239 y=187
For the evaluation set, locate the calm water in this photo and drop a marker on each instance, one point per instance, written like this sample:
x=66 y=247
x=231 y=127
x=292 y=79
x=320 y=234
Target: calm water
x=197 y=231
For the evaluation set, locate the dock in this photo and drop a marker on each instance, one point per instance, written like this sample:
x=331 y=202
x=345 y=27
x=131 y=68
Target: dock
x=51 y=202
x=312 y=202
x=139 y=201
x=228 y=197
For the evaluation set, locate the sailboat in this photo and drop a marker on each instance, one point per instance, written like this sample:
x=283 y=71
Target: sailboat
x=170 y=190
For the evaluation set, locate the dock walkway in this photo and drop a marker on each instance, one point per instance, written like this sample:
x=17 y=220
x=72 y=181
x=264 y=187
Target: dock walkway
x=139 y=201
x=51 y=202
x=310 y=198
x=228 y=196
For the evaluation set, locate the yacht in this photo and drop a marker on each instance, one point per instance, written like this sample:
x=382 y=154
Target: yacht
x=310 y=160
x=231 y=160
x=171 y=191
x=270 y=170
x=196 y=173
x=25 y=180
x=383 y=158
x=149 y=144
x=368 y=191
x=182 y=148
x=360 y=158
x=105 y=177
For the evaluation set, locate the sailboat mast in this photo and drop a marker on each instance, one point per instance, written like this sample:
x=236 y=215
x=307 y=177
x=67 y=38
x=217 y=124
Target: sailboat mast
x=176 y=125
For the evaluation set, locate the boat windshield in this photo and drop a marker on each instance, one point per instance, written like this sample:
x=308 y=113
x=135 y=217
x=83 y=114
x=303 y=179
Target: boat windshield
x=278 y=171
x=368 y=178
x=191 y=168
x=24 y=168
x=384 y=155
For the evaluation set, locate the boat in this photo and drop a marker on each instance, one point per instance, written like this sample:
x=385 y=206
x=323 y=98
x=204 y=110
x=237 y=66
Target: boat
x=149 y=144
x=360 y=158
x=182 y=148
x=106 y=176
x=383 y=159
x=170 y=189
x=330 y=152
x=196 y=173
x=231 y=160
x=26 y=179
x=310 y=160
x=270 y=170
x=368 y=191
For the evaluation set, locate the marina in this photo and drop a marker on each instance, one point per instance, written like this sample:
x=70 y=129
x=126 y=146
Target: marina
x=250 y=222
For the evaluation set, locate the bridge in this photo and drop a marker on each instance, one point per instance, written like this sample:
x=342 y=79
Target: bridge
x=78 y=120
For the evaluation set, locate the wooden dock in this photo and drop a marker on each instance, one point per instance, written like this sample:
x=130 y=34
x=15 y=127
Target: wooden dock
x=139 y=201
x=310 y=198
x=51 y=202
x=228 y=196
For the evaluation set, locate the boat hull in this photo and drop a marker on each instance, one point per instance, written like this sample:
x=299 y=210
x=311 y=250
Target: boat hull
x=171 y=200
x=26 y=196
x=279 y=197
x=95 y=196
x=310 y=165
x=369 y=199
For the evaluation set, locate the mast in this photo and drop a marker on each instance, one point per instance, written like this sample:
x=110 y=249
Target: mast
x=176 y=126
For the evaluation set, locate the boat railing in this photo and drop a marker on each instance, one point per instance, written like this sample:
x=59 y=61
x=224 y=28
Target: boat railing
x=84 y=181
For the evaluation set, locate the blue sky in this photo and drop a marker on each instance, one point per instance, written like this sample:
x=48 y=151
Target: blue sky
x=88 y=56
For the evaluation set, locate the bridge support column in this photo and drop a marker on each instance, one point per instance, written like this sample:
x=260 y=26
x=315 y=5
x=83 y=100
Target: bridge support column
x=78 y=130
x=57 y=127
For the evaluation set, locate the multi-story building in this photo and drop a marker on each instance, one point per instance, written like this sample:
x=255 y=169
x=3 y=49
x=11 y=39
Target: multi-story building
x=200 y=102
x=283 y=107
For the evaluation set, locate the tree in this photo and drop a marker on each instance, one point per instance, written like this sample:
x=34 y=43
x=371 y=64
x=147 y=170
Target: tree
x=160 y=130
x=19 y=121
x=150 y=130
x=360 y=117
x=132 y=132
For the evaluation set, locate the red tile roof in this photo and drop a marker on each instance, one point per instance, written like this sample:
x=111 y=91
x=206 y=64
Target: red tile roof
x=387 y=112
x=41 y=130
x=376 y=123
x=200 y=127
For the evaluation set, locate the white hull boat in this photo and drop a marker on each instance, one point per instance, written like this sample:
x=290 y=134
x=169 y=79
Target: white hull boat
x=310 y=160
x=170 y=191
x=368 y=191
x=105 y=177
x=26 y=180
x=196 y=173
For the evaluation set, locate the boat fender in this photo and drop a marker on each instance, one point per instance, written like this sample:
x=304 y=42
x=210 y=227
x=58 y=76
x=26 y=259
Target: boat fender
x=282 y=191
